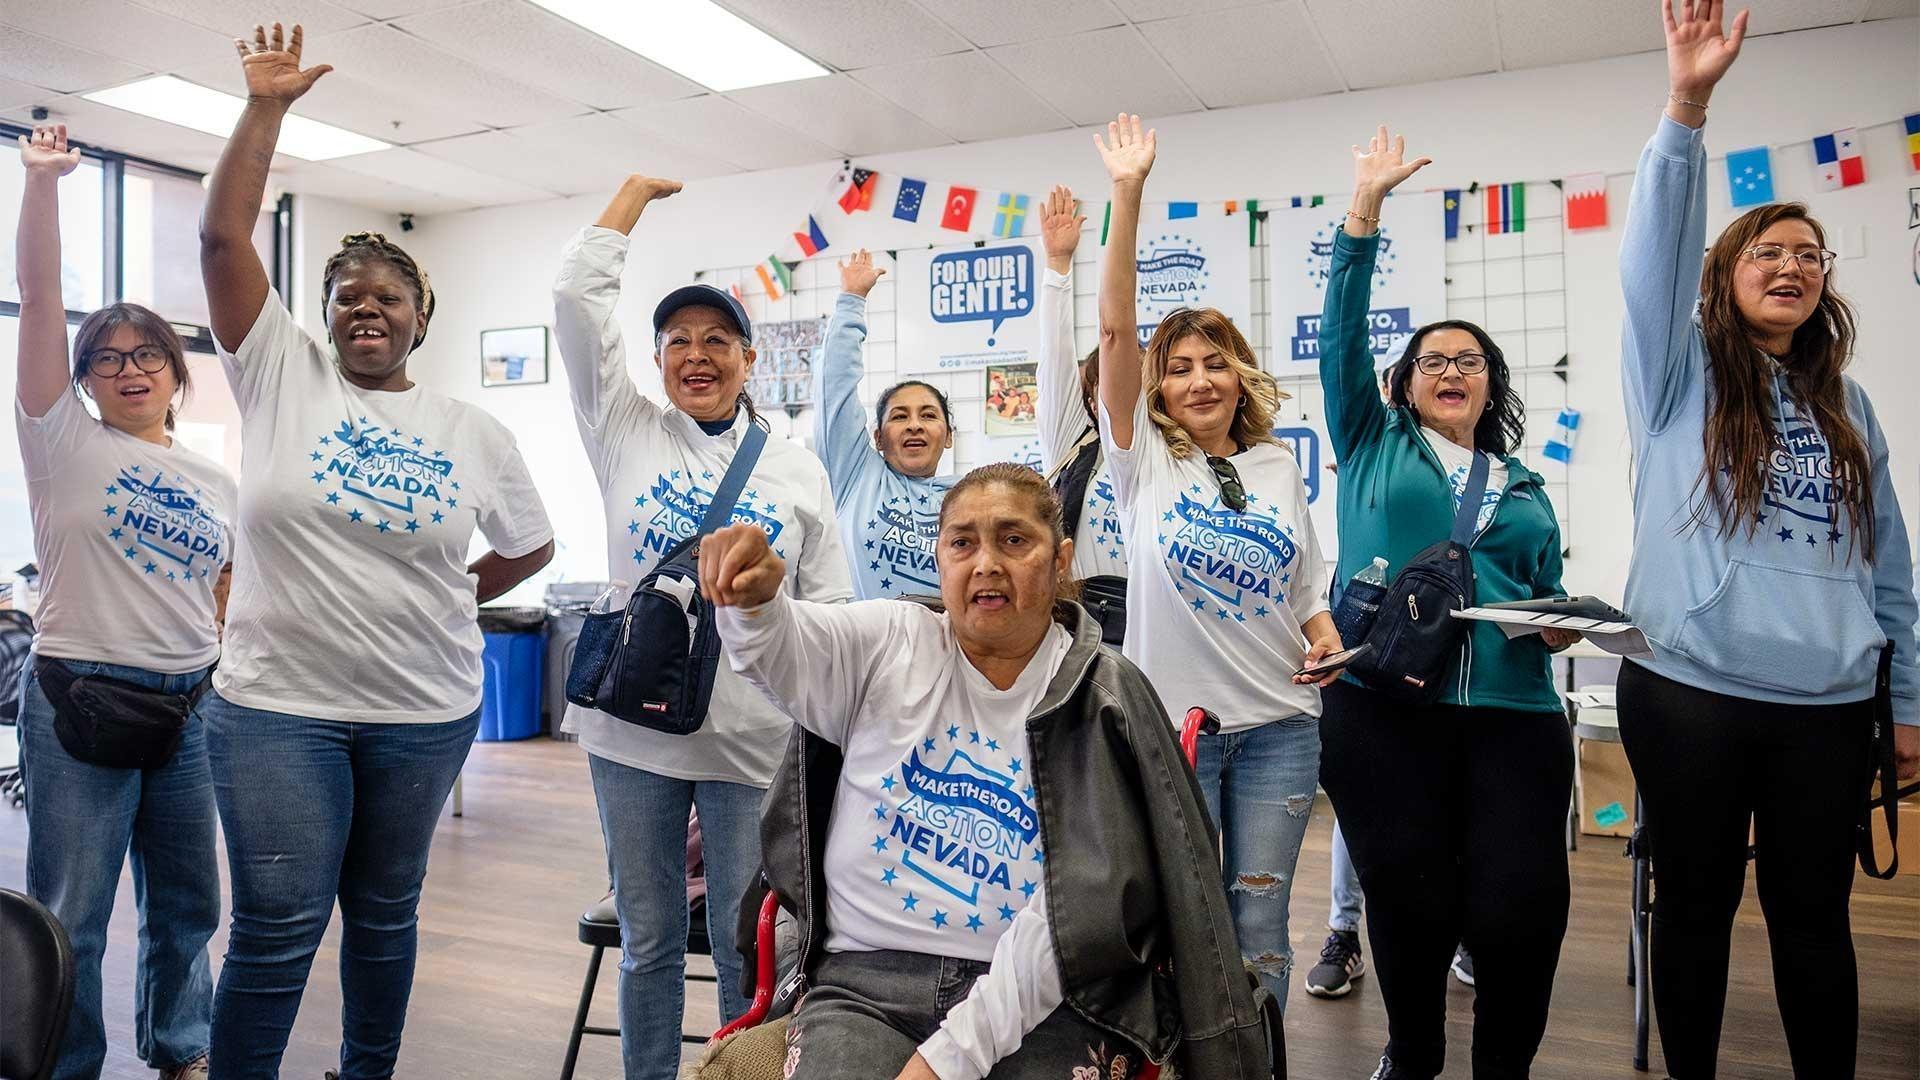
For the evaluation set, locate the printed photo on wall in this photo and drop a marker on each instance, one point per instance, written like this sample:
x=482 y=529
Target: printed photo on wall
x=783 y=364
x=1010 y=399
x=513 y=356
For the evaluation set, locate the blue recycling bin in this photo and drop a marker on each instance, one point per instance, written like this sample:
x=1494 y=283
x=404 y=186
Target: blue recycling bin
x=512 y=657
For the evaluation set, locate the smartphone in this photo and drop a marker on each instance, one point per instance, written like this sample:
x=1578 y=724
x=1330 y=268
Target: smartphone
x=1335 y=661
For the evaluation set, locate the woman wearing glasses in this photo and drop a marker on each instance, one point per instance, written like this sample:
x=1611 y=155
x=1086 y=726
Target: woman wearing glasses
x=1770 y=565
x=131 y=531
x=1227 y=591
x=1453 y=810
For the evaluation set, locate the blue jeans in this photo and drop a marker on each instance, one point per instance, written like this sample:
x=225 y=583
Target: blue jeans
x=1259 y=786
x=82 y=822
x=1347 y=897
x=643 y=816
x=314 y=811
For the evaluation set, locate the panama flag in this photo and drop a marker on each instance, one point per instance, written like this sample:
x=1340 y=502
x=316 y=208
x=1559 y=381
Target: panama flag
x=1506 y=208
x=1837 y=162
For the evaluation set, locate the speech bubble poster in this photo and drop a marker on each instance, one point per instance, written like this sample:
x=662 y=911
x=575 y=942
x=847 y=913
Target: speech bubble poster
x=964 y=307
x=1191 y=262
x=1409 y=277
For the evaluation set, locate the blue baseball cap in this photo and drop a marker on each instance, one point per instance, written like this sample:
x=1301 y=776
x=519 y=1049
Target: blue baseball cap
x=704 y=296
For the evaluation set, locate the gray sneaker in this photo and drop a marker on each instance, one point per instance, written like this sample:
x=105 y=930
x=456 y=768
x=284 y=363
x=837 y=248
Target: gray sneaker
x=1340 y=964
x=1462 y=966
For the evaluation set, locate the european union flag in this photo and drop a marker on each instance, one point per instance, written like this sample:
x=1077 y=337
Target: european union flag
x=907 y=206
x=1750 y=176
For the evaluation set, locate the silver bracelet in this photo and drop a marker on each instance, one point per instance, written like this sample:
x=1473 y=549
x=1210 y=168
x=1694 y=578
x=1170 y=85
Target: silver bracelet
x=1678 y=100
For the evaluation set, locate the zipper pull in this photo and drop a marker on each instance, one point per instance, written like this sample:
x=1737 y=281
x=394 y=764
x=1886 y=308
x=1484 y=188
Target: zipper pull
x=1413 y=608
x=626 y=626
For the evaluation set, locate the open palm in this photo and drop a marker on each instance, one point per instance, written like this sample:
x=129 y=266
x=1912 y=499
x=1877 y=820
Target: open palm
x=1059 y=224
x=272 y=66
x=1127 y=150
x=47 y=148
x=1382 y=166
x=1699 y=52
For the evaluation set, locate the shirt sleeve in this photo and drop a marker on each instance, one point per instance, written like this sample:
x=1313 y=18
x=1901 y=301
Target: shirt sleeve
x=1128 y=467
x=1020 y=989
x=811 y=660
x=822 y=574
x=840 y=430
x=254 y=369
x=606 y=403
x=51 y=438
x=514 y=520
x=1660 y=260
x=1062 y=418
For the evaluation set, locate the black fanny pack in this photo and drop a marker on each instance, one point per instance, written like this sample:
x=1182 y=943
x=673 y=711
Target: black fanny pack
x=1105 y=596
x=111 y=722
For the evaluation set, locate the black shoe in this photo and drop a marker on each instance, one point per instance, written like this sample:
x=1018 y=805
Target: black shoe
x=1462 y=966
x=1340 y=964
x=1386 y=1071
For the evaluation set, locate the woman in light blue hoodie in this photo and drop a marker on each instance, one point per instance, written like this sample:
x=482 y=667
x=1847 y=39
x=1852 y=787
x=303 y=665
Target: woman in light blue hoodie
x=1770 y=566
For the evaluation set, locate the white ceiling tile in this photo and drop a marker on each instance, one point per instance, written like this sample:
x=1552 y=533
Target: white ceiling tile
x=411 y=168
x=19 y=93
x=841 y=113
x=412 y=70
x=237 y=18
x=54 y=65
x=326 y=179
x=343 y=99
x=582 y=155
x=965 y=95
x=851 y=33
x=108 y=128
x=394 y=9
x=1092 y=76
x=1003 y=22
x=1777 y=16
x=118 y=29
x=1147 y=10
x=576 y=171
x=1892 y=9
x=724 y=129
x=544 y=50
x=1537 y=35
x=1239 y=68
x=1397 y=42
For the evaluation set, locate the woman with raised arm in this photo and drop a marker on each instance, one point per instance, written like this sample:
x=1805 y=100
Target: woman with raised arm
x=131 y=531
x=1227 y=593
x=659 y=469
x=1070 y=453
x=1452 y=808
x=885 y=490
x=350 y=689
x=1016 y=879
x=1770 y=567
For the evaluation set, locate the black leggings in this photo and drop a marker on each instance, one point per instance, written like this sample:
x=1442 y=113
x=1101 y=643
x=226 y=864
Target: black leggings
x=1456 y=819
x=1706 y=764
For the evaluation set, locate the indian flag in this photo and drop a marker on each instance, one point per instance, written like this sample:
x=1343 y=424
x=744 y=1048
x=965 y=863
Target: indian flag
x=1506 y=208
x=774 y=277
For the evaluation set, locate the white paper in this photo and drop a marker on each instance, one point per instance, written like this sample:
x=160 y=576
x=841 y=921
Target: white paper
x=1618 y=638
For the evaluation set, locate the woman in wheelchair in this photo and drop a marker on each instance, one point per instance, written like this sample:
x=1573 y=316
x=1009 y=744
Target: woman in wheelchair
x=1000 y=862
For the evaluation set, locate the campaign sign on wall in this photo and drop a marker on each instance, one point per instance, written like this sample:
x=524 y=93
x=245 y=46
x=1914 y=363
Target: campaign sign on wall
x=1409 y=277
x=1308 y=441
x=1192 y=262
x=964 y=307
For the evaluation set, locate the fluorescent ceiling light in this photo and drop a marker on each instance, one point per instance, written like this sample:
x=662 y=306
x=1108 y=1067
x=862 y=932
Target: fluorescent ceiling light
x=189 y=105
x=697 y=38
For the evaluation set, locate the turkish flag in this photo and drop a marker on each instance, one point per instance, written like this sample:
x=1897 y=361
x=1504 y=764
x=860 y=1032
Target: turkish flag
x=959 y=213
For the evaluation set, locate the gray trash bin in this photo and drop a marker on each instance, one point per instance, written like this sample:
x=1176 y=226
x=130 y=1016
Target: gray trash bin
x=567 y=603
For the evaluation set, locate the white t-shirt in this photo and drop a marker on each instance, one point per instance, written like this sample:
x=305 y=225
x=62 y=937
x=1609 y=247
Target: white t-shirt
x=1456 y=461
x=351 y=598
x=657 y=471
x=1099 y=543
x=130 y=536
x=1216 y=599
x=934 y=844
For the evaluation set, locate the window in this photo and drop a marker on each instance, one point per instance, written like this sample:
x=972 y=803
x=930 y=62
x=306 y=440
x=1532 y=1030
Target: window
x=160 y=265
x=82 y=226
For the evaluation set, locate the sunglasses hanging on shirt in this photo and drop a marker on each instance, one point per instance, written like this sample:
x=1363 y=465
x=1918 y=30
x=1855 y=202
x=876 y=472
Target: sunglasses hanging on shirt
x=1231 y=491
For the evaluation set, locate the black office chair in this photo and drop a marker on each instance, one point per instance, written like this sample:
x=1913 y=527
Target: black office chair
x=16 y=639
x=38 y=960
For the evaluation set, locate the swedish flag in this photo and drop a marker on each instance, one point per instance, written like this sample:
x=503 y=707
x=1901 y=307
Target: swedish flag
x=1010 y=215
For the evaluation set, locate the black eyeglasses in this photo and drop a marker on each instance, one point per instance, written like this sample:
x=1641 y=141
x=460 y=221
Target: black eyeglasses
x=1231 y=491
x=1469 y=363
x=106 y=363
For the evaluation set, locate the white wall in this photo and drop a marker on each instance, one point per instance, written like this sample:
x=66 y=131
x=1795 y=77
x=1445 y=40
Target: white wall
x=494 y=267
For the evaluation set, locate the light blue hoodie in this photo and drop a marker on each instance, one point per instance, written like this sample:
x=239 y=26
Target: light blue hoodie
x=888 y=522
x=1783 y=608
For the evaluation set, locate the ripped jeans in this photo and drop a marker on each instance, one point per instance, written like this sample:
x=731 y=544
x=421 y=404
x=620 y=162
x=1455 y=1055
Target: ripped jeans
x=1259 y=785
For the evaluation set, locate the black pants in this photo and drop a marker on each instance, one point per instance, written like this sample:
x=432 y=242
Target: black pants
x=1706 y=764
x=1456 y=819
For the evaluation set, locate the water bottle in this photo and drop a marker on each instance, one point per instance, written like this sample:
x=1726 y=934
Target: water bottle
x=1360 y=602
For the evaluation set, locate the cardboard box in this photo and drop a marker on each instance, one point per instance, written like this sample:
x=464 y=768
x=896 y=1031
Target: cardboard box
x=1606 y=789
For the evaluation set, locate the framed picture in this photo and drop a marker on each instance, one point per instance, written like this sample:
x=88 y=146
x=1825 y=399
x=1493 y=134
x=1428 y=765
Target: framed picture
x=1011 y=393
x=514 y=356
x=783 y=372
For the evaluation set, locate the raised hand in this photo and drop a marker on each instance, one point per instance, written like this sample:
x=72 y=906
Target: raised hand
x=47 y=149
x=1127 y=151
x=858 y=275
x=649 y=188
x=1382 y=166
x=1699 y=52
x=272 y=66
x=1060 y=224
x=738 y=567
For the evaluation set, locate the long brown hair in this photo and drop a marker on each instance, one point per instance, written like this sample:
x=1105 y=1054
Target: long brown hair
x=1260 y=395
x=99 y=326
x=1740 y=423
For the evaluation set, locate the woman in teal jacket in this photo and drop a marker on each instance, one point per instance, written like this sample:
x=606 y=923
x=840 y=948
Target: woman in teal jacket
x=1453 y=811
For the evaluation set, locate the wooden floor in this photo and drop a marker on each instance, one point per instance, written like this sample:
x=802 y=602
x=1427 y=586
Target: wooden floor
x=499 y=970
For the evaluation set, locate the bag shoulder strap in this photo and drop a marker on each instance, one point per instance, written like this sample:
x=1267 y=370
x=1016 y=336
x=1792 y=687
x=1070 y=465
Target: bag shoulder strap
x=1889 y=797
x=1468 y=513
x=1089 y=437
x=1070 y=479
x=720 y=510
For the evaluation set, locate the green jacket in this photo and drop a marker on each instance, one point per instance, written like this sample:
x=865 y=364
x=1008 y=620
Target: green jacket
x=1395 y=501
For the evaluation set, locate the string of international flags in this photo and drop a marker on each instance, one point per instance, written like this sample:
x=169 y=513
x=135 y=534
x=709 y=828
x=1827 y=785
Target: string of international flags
x=919 y=210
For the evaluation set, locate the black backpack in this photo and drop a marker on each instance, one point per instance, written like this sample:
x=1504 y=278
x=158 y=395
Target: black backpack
x=653 y=663
x=1103 y=595
x=1415 y=635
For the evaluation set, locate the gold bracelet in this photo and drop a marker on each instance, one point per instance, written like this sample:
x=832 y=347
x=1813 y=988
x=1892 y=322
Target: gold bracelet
x=1363 y=217
x=1678 y=100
